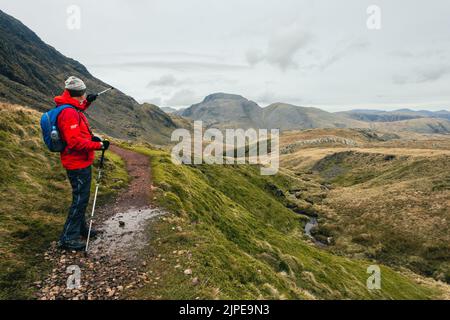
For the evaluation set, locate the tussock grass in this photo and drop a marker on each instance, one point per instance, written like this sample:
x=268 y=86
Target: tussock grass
x=387 y=200
x=394 y=210
x=241 y=241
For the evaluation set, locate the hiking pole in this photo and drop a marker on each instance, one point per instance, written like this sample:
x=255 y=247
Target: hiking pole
x=105 y=91
x=95 y=199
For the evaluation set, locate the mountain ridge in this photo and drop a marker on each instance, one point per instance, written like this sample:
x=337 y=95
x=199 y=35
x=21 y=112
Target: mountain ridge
x=224 y=111
x=395 y=115
x=32 y=73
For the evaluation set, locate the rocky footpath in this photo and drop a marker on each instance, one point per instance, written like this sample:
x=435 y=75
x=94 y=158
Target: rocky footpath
x=115 y=263
x=102 y=276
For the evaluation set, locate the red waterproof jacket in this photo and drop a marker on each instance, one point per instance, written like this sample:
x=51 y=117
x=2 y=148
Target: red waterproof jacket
x=74 y=129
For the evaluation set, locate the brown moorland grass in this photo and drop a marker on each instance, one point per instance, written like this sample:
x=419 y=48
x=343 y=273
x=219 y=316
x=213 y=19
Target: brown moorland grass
x=388 y=201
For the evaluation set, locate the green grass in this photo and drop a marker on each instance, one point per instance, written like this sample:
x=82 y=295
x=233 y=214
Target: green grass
x=227 y=225
x=241 y=242
x=35 y=198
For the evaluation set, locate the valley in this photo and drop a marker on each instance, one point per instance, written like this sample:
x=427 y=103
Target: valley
x=383 y=200
x=356 y=191
x=229 y=233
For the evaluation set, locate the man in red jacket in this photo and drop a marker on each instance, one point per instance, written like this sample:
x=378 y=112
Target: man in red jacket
x=77 y=159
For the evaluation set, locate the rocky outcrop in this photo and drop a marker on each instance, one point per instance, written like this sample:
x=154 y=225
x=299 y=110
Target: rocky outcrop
x=290 y=148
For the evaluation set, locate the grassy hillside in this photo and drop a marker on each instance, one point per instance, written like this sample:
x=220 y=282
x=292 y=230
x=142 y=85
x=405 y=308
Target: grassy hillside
x=384 y=200
x=231 y=236
x=35 y=197
x=230 y=226
x=32 y=73
x=390 y=208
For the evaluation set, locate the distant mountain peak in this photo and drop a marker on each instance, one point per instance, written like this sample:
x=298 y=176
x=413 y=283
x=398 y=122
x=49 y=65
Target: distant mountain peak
x=221 y=95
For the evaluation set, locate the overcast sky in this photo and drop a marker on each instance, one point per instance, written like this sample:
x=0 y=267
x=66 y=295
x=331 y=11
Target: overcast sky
x=304 y=52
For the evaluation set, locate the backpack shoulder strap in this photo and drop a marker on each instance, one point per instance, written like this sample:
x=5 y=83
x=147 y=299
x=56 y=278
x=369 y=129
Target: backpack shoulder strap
x=86 y=124
x=63 y=107
x=79 y=117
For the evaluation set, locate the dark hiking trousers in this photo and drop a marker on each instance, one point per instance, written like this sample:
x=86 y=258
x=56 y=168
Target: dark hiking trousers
x=75 y=224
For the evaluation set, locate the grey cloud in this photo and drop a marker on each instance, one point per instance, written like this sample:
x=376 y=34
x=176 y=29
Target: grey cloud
x=405 y=54
x=164 y=54
x=423 y=75
x=268 y=97
x=433 y=74
x=342 y=51
x=156 y=101
x=399 y=79
x=254 y=56
x=167 y=80
x=203 y=55
x=174 y=65
x=401 y=54
x=284 y=46
x=170 y=81
x=181 y=98
x=281 y=48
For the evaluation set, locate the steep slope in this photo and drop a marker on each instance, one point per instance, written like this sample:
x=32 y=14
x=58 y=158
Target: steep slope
x=287 y=117
x=35 y=195
x=221 y=110
x=32 y=73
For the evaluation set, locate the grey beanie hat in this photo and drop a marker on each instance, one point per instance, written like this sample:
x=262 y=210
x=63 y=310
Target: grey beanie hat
x=74 y=83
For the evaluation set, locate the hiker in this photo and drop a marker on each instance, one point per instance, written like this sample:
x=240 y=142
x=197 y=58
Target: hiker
x=77 y=158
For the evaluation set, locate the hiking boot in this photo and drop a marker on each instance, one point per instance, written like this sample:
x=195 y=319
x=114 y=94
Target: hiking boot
x=94 y=233
x=75 y=245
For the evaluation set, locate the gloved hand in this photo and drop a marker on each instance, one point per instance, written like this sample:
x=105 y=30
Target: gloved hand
x=91 y=97
x=96 y=139
x=105 y=145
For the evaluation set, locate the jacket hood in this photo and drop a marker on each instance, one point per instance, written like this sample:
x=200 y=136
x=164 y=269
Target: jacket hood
x=65 y=98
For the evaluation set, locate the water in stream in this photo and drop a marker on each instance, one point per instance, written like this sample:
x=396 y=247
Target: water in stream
x=313 y=223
